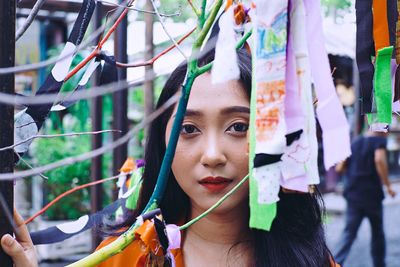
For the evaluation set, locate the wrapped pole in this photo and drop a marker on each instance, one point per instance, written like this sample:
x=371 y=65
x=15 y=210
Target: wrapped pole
x=7 y=58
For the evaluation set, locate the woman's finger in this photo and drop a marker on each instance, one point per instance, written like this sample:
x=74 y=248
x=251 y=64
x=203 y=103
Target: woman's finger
x=15 y=251
x=22 y=233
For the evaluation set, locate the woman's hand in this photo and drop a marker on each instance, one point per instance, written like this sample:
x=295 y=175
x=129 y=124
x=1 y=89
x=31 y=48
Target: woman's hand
x=21 y=249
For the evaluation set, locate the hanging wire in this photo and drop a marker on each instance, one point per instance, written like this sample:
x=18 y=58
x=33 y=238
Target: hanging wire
x=31 y=17
x=100 y=44
x=178 y=13
x=94 y=153
x=166 y=31
x=54 y=136
x=30 y=166
x=87 y=42
x=155 y=58
x=59 y=197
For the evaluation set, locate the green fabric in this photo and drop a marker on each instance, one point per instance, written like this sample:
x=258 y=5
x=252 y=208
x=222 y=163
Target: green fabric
x=261 y=215
x=383 y=86
x=136 y=181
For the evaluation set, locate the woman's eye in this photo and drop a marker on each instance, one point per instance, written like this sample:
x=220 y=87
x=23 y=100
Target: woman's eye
x=239 y=127
x=189 y=129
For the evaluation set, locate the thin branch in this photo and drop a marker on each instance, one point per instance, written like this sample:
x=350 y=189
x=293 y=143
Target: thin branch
x=165 y=29
x=94 y=153
x=54 y=136
x=79 y=95
x=151 y=61
x=195 y=9
x=30 y=166
x=209 y=22
x=28 y=67
x=208 y=66
x=178 y=13
x=213 y=207
x=202 y=17
x=29 y=19
x=54 y=201
x=97 y=50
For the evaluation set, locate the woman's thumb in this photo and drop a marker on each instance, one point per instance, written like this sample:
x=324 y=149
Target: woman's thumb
x=14 y=250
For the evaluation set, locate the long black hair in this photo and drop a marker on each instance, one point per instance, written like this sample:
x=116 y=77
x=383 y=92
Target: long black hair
x=296 y=237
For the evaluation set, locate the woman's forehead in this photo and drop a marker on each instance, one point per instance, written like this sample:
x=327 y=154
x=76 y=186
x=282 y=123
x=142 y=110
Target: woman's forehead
x=205 y=94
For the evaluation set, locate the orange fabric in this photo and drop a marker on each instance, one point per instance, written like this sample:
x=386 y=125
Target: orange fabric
x=135 y=254
x=380 y=26
x=398 y=34
x=129 y=165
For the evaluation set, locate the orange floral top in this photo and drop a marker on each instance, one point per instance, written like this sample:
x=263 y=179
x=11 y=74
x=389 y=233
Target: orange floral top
x=136 y=253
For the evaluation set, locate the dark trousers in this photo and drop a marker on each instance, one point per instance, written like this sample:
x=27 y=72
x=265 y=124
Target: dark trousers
x=354 y=216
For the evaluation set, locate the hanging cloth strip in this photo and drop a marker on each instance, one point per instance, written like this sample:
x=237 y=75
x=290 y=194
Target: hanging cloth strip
x=303 y=153
x=268 y=128
x=397 y=43
x=225 y=65
x=304 y=79
x=29 y=121
x=127 y=201
x=292 y=166
x=364 y=52
x=66 y=103
x=335 y=129
x=382 y=76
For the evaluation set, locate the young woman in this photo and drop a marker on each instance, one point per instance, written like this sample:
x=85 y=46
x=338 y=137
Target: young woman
x=211 y=158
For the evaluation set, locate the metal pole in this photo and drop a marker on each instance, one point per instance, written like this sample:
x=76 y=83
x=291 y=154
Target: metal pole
x=7 y=58
x=96 y=167
x=120 y=99
x=149 y=53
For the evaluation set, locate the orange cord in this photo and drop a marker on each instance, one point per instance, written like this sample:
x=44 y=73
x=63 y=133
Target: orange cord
x=66 y=194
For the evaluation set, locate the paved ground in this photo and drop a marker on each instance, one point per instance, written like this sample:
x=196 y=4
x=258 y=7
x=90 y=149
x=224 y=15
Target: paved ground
x=360 y=252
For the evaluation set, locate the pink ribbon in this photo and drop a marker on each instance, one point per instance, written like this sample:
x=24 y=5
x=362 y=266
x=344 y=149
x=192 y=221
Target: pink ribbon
x=335 y=129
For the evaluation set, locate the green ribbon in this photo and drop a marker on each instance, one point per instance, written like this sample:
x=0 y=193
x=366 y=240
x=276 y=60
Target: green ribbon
x=261 y=215
x=383 y=87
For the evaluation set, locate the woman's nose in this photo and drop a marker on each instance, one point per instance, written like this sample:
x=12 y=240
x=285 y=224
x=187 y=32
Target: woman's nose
x=213 y=153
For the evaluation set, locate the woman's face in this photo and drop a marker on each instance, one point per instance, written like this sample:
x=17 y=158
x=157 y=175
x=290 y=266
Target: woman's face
x=211 y=154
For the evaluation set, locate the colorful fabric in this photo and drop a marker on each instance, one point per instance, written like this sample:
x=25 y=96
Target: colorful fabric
x=29 y=121
x=268 y=127
x=382 y=90
x=225 y=66
x=303 y=70
x=147 y=248
x=297 y=151
x=398 y=34
x=335 y=129
x=364 y=51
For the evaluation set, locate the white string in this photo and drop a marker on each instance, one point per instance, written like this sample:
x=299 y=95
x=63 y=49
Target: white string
x=89 y=40
x=94 y=153
x=31 y=17
x=165 y=30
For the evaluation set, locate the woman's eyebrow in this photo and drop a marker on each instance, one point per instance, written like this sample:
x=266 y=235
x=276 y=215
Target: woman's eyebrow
x=193 y=113
x=236 y=109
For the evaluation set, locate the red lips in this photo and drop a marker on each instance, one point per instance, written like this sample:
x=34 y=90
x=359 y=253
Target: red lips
x=215 y=184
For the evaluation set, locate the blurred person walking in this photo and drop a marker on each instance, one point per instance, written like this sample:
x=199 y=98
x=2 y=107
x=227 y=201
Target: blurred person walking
x=366 y=170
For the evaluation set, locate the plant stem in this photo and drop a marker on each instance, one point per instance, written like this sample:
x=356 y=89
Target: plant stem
x=208 y=66
x=213 y=207
x=209 y=22
x=202 y=17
